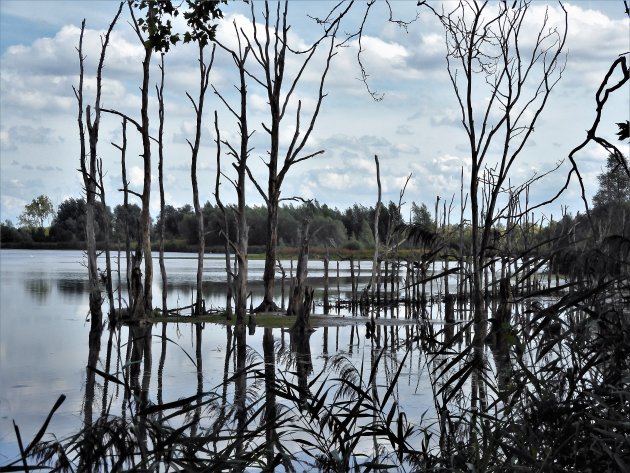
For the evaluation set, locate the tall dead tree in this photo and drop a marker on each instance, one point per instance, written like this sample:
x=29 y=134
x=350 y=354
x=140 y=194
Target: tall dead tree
x=270 y=48
x=502 y=78
x=226 y=225
x=143 y=129
x=240 y=155
x=374 y=278
x=89 y=170
x=488 y=55
x=158 y=37
x=159 y=89
x=125 y=190
x=145 y=219
x=204 y=75
x=106 y=276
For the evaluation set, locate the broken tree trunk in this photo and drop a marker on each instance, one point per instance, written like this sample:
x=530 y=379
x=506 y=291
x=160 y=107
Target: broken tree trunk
x=299 y=284
x=303 y=311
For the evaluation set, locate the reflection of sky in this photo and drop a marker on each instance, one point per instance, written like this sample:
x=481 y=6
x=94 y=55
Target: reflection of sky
x=44 y=333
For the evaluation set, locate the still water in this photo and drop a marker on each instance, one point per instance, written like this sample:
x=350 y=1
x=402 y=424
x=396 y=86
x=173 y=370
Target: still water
x=44 y=330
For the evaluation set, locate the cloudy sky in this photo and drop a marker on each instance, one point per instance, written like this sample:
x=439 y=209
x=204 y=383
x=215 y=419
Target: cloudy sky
x=415 y=129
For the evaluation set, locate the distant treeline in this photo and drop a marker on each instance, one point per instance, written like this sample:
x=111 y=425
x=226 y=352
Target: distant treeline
x=349 y=229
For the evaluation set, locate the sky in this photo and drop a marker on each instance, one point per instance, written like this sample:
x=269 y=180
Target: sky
x=415 y=129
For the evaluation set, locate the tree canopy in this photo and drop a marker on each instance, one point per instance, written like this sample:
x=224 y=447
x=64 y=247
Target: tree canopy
x=614 y=184
x=37 y=212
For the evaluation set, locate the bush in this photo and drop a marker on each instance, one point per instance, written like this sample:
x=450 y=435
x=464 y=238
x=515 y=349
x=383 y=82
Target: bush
x=353 y=245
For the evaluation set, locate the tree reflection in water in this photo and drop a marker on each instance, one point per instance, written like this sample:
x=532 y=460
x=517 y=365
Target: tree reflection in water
x=282 y=414
x=301 y=349
x=271 y=435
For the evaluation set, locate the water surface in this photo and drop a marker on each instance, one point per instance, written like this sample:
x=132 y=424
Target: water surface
x=44 y=325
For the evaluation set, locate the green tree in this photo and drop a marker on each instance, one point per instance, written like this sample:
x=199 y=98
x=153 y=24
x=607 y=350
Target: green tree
x=69 y=222
x=37 y=212
x=421 y=216
x=614 y=184
x=366 y=234
x=130 y=217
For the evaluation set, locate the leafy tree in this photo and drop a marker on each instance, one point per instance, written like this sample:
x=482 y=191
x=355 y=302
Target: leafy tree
x=133 y=215
x=288 y=223
x=70 y=220
x=421 y=216
x=614 y=184
x=366 y=233
x=10 y=234
x=354 y=217
x=37 y=212
x=172 y=217
x=328 y=231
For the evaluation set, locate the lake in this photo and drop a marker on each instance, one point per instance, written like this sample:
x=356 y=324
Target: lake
x=44 y=341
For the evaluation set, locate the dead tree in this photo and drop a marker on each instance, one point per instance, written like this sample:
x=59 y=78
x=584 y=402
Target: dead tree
x=226 y=225
x=486 y=52
x=302 y=324
x=298 y=285
x=145 y=223
x=106 y=276
x=89 y=169
x=204 y=76
x=374 y=278
x=143 y=129
x=240 y=156
x=488 y=56
x=158 y=38
x=160 y=95
x=125 y=190
x=270 y=48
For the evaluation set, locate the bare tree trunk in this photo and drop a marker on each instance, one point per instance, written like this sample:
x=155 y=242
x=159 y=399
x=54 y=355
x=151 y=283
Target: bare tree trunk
x=95 y=293
x=146 y=189
x=269 y=273
x=303 y=311
x=89 y=173
x=226 y=231
x=375 y=262
x=240 y=246
x=299 y=286
x=270 y=48
x=204 y=73
x=125 y=190
x=108 y=262
x=160 y=95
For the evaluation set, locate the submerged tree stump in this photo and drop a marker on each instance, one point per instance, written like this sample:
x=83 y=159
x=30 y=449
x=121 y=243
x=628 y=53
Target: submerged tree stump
x=298 y=284
x=502 y=321
x=303 y=311
x=137 y=308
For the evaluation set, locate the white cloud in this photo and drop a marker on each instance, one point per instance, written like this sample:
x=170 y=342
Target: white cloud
x=11 y=206
x=5 y=141
x=136 y=176
x=415 y=128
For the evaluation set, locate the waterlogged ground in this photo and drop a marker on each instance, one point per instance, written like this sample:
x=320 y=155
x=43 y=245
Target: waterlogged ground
x=44 y=342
